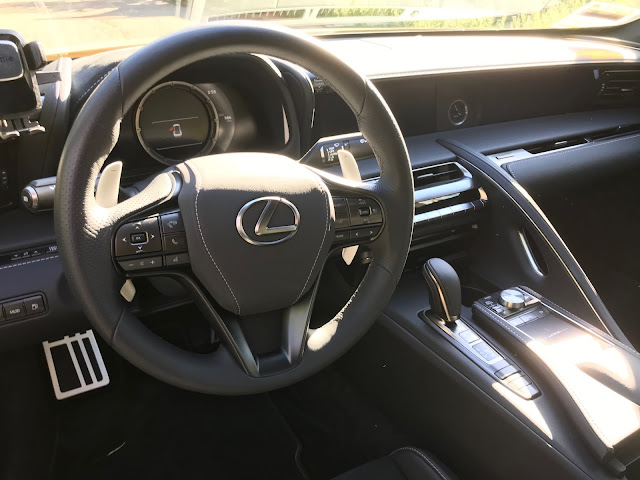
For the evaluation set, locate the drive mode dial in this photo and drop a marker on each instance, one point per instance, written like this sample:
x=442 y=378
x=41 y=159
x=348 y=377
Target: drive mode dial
x=512 y=299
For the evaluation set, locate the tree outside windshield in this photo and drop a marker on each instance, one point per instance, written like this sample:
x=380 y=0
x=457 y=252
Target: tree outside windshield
x=81 y=26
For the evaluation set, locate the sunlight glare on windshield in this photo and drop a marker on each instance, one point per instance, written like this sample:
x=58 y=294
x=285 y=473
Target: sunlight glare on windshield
x=78 y=27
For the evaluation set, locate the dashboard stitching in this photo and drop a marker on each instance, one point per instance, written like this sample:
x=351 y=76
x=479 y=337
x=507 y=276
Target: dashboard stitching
x=423 y=457
x=198 y=187
x=30 y=261
x=90 y=89
x=324 y=237
x=549 y=155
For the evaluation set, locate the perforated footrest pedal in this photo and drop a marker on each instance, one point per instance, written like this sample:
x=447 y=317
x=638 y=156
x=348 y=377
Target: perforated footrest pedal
x=75 y=365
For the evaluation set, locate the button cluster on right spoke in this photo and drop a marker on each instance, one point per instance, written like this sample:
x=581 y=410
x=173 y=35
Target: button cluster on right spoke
x=358 y=220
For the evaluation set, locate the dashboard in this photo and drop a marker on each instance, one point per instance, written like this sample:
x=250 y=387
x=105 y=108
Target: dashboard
x=556 y=114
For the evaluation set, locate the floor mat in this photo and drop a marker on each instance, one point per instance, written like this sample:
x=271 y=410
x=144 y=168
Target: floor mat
x=338 y=427
x=169 y=433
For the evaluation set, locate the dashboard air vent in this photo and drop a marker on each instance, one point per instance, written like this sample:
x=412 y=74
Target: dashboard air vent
x=620 y=84
x=434 y=174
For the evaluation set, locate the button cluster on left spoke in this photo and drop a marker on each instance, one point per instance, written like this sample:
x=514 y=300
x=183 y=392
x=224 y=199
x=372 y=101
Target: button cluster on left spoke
x=152 y=243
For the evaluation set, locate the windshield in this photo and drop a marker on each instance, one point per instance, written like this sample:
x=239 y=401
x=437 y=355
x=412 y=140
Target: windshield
x=78 y=27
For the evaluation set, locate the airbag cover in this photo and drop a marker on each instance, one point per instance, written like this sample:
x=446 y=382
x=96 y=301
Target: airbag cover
x=266 y=271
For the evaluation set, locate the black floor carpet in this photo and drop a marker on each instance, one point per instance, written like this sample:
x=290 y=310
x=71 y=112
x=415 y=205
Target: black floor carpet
x=338 y=427
x=143 y=428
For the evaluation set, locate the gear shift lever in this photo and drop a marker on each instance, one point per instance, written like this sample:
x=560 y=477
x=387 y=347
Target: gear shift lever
x=444 y=289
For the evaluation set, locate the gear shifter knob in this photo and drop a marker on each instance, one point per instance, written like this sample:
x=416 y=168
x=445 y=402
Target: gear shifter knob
x=444 y=289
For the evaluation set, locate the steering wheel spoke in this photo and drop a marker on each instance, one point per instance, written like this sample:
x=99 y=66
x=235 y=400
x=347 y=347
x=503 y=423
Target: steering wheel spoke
x=236 y=333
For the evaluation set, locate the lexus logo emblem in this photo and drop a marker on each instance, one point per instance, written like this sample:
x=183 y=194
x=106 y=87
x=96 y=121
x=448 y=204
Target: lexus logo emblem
x=263 y=229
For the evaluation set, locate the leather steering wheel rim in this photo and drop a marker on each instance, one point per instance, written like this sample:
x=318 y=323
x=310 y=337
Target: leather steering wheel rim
x=83 y=228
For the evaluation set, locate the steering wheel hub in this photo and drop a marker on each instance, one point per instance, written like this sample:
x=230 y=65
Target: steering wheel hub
x=258 y=226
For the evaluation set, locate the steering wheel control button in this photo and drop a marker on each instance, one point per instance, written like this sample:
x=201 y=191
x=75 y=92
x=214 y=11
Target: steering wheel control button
x=364 y=211
x=341 y=236
x=172 y=223
x=512 y=299
x=34 y=305
x=139 y=237
x=176 y=259
x=141 y=263
x=14 y=309
x=175 y=243
x=362 y=234
x=342 y=213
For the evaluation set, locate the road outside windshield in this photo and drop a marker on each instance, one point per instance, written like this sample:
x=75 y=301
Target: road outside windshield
x=80 y=27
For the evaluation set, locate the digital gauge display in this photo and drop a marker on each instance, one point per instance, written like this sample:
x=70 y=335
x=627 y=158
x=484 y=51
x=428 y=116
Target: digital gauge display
x=176 y=121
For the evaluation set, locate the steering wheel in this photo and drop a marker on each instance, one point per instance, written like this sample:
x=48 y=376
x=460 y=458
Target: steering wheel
x=259 y=227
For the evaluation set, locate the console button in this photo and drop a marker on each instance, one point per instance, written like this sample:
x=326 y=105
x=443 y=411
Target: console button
x=141 y=263
x=127 y=232
x=485 y=351
x=528 y=391
x=13 y=310
x=516 y=321
x=518 y=381
x=176 y=259
x=172 y=223
x=469 y=336
x=506 y=371
x=498 y=308
x=528 y=317
x=175 y=243
x=540 y=312
x=34 y=305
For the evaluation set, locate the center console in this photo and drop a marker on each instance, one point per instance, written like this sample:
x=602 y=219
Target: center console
x=516 y=334
x=598 y=373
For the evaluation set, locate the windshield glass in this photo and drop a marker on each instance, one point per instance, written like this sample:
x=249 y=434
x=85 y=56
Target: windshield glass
x=79 y=27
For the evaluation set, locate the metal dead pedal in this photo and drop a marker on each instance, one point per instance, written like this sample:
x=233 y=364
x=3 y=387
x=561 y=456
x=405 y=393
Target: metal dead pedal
x=75 y=365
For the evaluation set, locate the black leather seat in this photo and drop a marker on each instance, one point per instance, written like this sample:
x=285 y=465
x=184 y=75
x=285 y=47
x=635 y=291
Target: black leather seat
x=406 y=463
